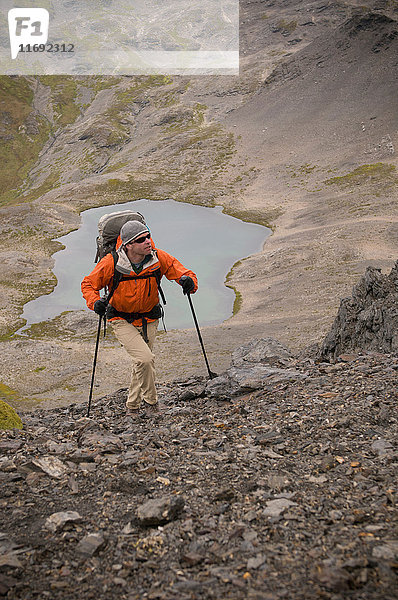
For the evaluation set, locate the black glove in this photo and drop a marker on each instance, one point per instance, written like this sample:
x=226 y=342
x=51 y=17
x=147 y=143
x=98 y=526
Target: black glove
x=100 y=306
x=187 y=284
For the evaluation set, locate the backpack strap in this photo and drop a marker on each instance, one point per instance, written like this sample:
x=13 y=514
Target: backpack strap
x=158 y=276
x=118 y=277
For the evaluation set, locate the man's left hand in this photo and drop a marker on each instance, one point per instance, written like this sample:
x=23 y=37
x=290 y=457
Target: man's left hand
x=187 y=284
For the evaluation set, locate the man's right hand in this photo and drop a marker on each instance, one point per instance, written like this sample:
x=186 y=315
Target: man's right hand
x=100 y=306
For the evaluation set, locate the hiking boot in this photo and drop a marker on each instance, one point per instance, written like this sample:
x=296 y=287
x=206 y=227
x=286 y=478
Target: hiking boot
x=152 y=408
x=132 y=412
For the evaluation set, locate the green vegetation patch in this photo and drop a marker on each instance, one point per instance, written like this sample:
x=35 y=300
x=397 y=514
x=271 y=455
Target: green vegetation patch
x=286 y=27
x=141 y=84
x=24 y=132
x=194 y=178
x=64 y=93
x=22 y=135
x=302 y=172
x=143 y=185
x=238 y=296
x=138 y=86
x=51 y=329
x=264 y=218
x=18 y=88
x=377 y=173
x=191 y=118
x=50 y=183
x=8 y=417
x=12 y=399
x=238 y=300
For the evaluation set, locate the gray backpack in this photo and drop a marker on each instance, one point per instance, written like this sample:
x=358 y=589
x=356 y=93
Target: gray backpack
x=109 y=227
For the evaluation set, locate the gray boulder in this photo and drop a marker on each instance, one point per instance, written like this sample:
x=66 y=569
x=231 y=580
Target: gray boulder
x=261 y=351
x=251 y=369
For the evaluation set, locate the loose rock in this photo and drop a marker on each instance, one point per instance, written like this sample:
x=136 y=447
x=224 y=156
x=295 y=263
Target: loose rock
x=159 y=510
x=90 y=544
x=57 y=521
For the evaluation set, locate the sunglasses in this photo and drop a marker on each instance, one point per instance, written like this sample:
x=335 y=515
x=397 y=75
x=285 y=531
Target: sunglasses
x=142 y=239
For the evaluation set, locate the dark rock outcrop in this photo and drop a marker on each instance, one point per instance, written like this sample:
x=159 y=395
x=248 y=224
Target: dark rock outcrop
x=369 y=319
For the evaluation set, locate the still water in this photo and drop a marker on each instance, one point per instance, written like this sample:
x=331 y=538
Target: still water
x=203 y=239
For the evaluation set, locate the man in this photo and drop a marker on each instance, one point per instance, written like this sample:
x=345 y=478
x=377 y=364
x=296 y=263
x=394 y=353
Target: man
x=133 y=307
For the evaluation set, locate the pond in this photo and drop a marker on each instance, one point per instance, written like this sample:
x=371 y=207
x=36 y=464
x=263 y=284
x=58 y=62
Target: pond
x=203 y=239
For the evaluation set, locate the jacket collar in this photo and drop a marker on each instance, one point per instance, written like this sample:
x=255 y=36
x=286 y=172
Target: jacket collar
x=123 y=264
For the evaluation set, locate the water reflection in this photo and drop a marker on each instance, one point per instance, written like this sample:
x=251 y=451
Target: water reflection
x=203 y=239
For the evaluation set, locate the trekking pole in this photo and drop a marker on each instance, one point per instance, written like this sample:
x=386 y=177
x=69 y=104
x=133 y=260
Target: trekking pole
x=211 y=374
x=94 y=365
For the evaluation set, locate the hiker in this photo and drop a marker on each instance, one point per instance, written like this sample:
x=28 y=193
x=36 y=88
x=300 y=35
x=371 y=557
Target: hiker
x=132 y=274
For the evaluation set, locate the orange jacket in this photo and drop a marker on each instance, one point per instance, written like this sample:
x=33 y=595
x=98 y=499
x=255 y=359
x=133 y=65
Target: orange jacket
x=134 y=295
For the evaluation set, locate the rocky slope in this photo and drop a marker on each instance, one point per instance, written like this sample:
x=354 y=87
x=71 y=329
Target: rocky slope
x=284 y=489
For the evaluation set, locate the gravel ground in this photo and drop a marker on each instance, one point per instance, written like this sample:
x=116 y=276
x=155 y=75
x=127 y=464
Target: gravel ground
x=287 y=491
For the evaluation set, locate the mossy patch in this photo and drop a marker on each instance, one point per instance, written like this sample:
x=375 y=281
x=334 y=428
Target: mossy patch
x=142 y=83
x=8 y=417
x=286 y=27
x=15 y=400
x=64 y=93
x=22 y=133
x=377 y=173
x=52 y=182
x=238 y=296
x=264 y=218
x=238 y=300
x=97 y=83
x=18 y=88
x=45 y=330
x=302 y=172
x=143 y=185
x=7 y=331
x=190 y=118
x=57 y=328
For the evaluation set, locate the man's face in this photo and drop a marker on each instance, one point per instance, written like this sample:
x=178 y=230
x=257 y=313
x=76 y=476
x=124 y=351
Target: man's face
x=141 y=245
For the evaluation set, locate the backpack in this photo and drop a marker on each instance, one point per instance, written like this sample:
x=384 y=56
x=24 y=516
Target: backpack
x=109 y=227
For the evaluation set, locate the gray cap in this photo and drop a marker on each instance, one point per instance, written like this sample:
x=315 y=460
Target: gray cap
x=132 y=230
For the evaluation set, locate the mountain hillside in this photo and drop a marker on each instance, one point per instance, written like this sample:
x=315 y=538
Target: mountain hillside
x=297 y=112
x=303 y=139
x=275 y=479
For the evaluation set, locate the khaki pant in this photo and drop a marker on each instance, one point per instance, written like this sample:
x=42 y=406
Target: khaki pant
x=142 y=385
